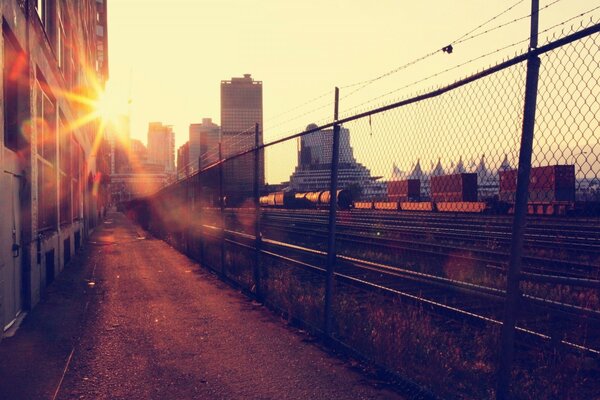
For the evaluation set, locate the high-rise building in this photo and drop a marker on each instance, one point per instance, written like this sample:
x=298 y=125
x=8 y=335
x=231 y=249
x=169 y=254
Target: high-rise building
x=119 y=137
x=204 y=144
x=161 y=146
x=241 y=110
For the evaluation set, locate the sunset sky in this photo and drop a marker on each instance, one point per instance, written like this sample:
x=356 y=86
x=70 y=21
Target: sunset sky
x=172 y=54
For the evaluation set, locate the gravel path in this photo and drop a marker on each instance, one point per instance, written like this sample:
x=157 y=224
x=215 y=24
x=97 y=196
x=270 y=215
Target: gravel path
x=159 y=327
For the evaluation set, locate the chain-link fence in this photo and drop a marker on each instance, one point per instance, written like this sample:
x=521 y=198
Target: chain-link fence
x=445 y=231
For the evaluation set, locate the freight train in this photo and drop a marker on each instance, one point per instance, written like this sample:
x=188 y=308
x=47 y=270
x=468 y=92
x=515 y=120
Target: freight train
x=551 y=192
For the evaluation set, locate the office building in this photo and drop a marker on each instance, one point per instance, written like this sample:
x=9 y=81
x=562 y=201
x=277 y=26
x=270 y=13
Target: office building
x=161 y=146
x=241 y=110
x=204 y=144
x=183 y=161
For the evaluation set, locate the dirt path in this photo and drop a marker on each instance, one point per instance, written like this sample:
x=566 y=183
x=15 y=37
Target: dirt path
x=159 y=327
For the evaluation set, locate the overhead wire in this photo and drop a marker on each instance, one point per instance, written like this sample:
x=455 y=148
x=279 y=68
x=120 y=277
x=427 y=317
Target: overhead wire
x=367 y=82
x=478 y=57
x=448 y=49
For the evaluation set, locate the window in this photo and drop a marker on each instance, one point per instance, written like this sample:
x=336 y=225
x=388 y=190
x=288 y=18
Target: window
x=15 y=90
x=76 y=174
x=45 y=114
x=64 y=172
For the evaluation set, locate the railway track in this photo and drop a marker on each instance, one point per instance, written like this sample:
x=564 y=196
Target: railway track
x=299 y=237
x=535 y=269
x=478 y=230
x=542 y=321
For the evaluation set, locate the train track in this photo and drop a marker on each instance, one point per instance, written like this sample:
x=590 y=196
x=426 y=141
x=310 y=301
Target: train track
x=479 y=230
x=298 y=237
x=542 y=321
x=579 y=265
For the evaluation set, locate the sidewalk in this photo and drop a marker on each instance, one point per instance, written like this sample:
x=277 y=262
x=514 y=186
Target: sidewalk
x=138 y=320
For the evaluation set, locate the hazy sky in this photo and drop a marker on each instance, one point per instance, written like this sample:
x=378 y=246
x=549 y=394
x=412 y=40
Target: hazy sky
x=172 y=54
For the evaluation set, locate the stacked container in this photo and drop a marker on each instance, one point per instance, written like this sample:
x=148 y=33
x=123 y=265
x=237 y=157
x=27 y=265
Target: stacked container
x=546 y=184
x=454 y=188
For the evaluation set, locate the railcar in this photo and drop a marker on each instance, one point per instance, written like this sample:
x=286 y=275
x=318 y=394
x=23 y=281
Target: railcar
x=318 y=199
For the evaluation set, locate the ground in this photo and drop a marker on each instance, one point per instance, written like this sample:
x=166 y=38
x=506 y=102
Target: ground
x=131 y=318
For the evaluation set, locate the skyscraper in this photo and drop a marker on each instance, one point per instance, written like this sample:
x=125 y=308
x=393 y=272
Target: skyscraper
x=204 y=143
x=241 y=109
x=161 y=146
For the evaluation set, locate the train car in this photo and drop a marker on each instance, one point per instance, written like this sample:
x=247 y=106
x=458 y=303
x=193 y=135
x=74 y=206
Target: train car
x=363 y=205
x=386 y=205
x=551 y=189
x=322 y=199
x=417 y=206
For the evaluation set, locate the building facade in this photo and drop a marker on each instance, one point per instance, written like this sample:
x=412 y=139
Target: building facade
x=53 y=177
x=241 y=110
x=161 y=146
x=204 y=144
x=314 y=166
x=183 y=161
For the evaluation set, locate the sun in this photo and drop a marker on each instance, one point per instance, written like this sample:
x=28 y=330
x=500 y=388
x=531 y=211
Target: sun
x=108 y=106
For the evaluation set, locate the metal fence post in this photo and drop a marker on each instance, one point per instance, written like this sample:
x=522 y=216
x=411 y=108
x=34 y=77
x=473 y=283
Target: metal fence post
x=331 y=253
x=257 y=234
x=200 y=204
x=513 y=294
x=222 y=206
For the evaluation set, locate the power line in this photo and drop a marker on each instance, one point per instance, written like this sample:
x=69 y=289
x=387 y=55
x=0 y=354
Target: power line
x=447 y=49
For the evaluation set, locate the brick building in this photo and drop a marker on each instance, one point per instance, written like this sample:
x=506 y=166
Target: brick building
x=52 y=168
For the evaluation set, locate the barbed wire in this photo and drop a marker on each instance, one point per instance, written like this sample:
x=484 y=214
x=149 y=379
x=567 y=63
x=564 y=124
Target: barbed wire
x=466 y=39
x=488 y=21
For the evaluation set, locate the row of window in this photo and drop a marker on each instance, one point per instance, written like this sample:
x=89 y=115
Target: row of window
x=60 y=170
x=59 y=179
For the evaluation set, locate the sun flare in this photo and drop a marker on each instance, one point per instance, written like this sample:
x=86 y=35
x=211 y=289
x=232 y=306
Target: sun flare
x=108 y=106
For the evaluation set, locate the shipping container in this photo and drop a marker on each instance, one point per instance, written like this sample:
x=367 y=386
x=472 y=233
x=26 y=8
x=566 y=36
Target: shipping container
x=404 y=190
x=546 y=184
x=456 y=187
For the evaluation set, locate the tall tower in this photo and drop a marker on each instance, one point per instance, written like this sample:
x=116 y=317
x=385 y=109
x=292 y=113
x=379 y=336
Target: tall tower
x=161 y=146
x=241 y=109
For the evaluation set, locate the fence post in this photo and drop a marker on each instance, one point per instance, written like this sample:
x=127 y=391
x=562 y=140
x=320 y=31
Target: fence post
x=257 y=234
x=200 y=214
x=513 y=294
x=331 y=253
x=222 y=206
